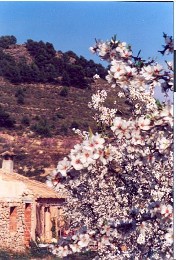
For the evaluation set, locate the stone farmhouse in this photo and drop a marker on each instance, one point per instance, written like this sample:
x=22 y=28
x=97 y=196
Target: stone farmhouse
x=29 y=209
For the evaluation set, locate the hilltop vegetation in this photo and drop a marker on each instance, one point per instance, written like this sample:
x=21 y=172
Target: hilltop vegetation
x=40 y=62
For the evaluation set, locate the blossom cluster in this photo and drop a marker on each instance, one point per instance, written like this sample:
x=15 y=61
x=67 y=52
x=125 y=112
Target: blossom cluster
x=91 y=151
x=120 y=198
x=137 y=78
x=112 y=49
x=104 y=114
x=169 y=44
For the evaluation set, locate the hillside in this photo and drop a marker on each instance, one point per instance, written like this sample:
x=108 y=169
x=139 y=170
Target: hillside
x=34 y=62
x=36 y=119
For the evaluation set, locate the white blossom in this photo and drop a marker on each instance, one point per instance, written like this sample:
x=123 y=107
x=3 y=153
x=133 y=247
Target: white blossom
x=120 y=192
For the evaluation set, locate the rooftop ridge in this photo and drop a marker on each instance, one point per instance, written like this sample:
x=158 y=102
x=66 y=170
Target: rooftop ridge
x=39 y=189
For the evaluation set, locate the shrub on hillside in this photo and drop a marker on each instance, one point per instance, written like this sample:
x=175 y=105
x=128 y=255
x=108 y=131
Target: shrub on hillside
x=6 y=41
x=19 y=92
x=60 y=116
x=20 y=96
x=20 y=100
x=74 y=124
x=42 y=128
x=64 y=92
x=5 y=119
x=77 y=76
x=44 y=58
x=25 y=121
x=9 y=68
x=65 y=79
x=64 y=129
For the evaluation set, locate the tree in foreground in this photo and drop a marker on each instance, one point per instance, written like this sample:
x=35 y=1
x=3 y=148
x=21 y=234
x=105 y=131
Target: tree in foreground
x=119 y=183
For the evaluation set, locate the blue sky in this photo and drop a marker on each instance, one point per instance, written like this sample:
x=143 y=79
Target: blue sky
x=75 y=25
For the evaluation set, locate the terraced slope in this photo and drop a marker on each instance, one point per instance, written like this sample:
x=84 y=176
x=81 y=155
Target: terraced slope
x=37 y=154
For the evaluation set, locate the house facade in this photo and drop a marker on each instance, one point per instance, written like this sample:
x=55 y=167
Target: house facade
x=29 y=209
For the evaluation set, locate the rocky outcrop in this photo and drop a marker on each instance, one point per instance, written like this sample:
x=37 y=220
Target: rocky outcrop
x=19 y=52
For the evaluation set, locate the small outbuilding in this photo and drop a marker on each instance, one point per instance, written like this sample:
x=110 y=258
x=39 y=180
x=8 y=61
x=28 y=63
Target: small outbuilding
x=29 y=209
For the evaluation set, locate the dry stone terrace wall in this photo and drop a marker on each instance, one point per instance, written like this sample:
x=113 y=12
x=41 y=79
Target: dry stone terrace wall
x=14 y=235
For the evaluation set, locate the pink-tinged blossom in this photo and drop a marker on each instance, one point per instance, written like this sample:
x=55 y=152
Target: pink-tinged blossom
x=119 y=72
x=92 y=50
x=49 y=183
x=124 y=131
x=117 y=123
x=148 y=72
x=126 y=54
x=162 y=144
x=99 y=141
x=166 y=210
x=170 y=65
x=143 y=228
x=98 y=99
x=107 y=115
x=96 y=142
x=144 y=123
x=84 y=240
x=106 y=230
x=98 y=153
x=157 y=69
x=75 y=237
x=105 y=241
x=169 y=237
x=121 y=128
x=121 y=47
x=136 y=135
x=109 y=77
x=121 y=94
x=103 y=49
x=76 y=162
x=76 y=150
x=75 y=248
x=112 y=54
x=96 y=76
x=63 y=251
x=90 y=145
x=117 y=68
x=63 y=166
x=141 y=239
x=130 y=72
x=167 y=115
x=167 y=111
x=170 y=45
x=86 y=157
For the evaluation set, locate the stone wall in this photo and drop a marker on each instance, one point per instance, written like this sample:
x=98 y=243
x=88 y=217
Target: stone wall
x=18 y=223
x=15 y=225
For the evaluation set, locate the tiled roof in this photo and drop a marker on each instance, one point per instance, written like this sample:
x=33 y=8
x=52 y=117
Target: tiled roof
x=38 y=189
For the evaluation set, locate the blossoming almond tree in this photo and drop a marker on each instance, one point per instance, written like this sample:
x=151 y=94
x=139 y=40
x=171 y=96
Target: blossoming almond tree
x=119 y=184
